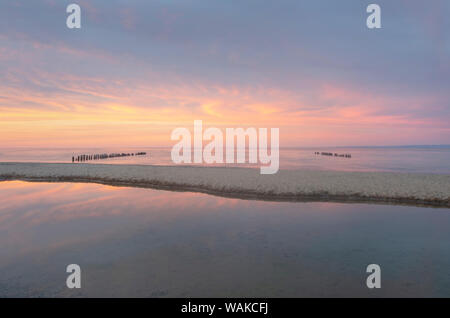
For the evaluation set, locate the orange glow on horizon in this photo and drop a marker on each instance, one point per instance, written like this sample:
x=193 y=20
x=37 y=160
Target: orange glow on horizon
x=147 y=115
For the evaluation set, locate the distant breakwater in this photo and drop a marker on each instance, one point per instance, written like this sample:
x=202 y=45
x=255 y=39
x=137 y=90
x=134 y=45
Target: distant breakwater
x=102 y=156
x=331 y=154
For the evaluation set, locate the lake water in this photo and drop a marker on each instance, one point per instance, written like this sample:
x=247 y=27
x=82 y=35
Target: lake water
x=398 y=159
x=153 y=243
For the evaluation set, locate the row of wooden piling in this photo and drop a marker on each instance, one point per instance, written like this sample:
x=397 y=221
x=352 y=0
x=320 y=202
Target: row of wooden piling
x=84 y=158
x=331 y=154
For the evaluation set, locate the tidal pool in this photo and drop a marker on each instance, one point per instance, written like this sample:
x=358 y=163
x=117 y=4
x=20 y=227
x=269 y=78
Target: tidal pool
x=132 y=242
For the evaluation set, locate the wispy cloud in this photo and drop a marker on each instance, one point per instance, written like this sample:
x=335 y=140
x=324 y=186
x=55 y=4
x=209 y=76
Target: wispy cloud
x=138 y=69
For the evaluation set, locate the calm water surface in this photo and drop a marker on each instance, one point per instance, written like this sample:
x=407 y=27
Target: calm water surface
x=400 y=159
x=143 y=242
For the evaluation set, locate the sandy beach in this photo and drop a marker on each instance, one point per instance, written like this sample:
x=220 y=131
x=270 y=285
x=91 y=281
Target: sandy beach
x=288 y=185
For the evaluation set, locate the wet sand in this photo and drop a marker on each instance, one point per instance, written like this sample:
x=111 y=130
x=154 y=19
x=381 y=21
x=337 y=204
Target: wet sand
x=413 y=189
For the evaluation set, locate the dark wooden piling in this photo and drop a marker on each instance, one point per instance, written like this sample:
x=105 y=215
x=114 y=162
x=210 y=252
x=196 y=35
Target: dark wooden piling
x=88 y=157
x=333 y=154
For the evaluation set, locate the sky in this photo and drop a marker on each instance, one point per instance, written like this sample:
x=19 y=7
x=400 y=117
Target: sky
x=138 y=69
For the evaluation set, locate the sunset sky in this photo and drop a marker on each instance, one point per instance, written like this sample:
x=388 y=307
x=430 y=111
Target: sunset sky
x=138 y=69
